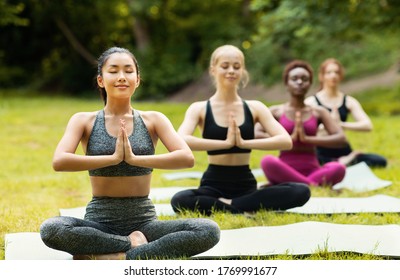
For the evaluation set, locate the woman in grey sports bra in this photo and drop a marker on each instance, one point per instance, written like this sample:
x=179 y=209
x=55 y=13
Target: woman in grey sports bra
x=119 y=144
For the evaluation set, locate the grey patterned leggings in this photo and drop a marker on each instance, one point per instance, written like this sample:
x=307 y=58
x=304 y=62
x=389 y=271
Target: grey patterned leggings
x=109 y=221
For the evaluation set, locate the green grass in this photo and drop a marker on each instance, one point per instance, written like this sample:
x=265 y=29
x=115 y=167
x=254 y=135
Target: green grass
x=30 y=191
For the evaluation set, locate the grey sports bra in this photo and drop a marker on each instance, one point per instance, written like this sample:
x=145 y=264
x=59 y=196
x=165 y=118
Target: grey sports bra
x=102 y=143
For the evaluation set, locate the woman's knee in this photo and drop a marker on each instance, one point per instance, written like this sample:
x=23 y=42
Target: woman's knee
x=300 y=191
x=341 y=171
x=271 y=165
x=50 y=230
x=304 y=193
x=268 y=161
x=211 y=230
x=372 y=160
x=338 y=170
x=182 y=200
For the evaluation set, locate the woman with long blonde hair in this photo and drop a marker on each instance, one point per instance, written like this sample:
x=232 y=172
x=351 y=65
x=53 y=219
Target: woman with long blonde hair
x=227 y=124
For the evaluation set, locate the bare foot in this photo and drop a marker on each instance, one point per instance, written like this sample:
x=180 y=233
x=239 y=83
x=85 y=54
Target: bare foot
x=263 y=185
x=345 y=160
x=113 y=256
x=225 y=200
x=137 y=238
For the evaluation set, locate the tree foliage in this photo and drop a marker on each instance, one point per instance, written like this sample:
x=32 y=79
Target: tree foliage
x=53 y=45
x=9 y=14
x=351 y=30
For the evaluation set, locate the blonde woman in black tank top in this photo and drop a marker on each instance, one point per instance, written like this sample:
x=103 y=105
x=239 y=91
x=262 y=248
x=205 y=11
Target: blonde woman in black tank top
x=227 y=125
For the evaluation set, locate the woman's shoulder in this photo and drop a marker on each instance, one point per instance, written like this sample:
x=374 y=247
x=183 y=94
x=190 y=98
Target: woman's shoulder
x=151 y=114
x=199 y=104
x=277 y=110
x=197 y=108
x=258 y=103
x=84 y=116
x=153 y=117
x=318 y=110
x=255 y=104
x=259 y=108
x=351 y=99
x=82 y=120
x=311 y=100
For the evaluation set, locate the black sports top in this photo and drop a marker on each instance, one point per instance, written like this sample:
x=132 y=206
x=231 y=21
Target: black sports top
x=214 y=131
x=343 y=111
x=335 y=152
x=102 y=143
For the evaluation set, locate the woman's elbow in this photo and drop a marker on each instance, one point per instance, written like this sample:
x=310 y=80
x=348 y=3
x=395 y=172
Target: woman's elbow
x=369 y=127
x=58 y=164
x=366 y=126
x=190 y=160
x=343 y=139
x=186 y=160
x=286 y=143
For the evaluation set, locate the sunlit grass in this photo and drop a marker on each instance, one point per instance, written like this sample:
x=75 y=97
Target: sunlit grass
x=30 y=191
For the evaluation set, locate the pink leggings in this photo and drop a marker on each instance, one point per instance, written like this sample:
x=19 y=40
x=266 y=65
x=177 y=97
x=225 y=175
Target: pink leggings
x=301 y=168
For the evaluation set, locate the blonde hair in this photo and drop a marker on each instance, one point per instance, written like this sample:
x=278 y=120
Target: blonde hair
x=216 y=55
x=322 y=69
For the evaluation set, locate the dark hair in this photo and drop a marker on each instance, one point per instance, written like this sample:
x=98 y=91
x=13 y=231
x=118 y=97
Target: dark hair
x=103 y=59
x=296 y=64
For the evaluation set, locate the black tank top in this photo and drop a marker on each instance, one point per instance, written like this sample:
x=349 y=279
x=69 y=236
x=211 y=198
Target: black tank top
x=325 y=152
x=343 y=111
x=214 y=131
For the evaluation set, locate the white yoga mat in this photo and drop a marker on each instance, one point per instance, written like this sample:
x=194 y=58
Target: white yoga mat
x=349 y=205
x=292 y=239
x=328 y=205
x=29 y=246
x=360 y=178
x=307 y=238
x=167 y=193
x=183 y=175
x=316 y=205
x=77 y=212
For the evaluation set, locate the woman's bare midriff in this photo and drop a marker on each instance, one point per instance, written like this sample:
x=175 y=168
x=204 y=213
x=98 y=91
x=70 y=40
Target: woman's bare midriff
x=230 y=159
x=122 y=186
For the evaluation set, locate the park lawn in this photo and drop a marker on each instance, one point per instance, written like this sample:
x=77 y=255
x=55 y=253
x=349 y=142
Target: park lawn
x=30 y=191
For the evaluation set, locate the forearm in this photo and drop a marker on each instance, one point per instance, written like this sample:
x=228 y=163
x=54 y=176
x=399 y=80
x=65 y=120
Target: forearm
x=357 y=126
x=279 y=142
x=172 y=160
x=74 y=162
x=335 y=140
x=201 y=144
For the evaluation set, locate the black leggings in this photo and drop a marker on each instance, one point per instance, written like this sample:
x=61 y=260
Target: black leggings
x=332 y=154
x=238 y=183
x=109 y=221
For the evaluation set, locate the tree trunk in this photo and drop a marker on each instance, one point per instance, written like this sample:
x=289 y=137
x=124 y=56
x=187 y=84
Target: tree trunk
x=74 y=42
x=140 y=32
